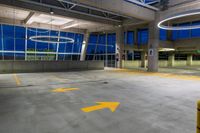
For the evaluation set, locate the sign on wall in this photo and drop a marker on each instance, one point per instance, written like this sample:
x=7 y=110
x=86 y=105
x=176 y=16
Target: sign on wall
x=151 y=52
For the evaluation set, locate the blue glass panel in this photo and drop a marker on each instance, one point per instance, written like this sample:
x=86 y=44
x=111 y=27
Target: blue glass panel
x=42 y=47
x=43 y=32
x=0 y=30
x=148 y=1
x=130 y=37
x=61 y=48
x=8 y=44
x=195 y=32
x=31 y=32
x=175 y=35
x=31 y=45
x=143 y=36
x=8 y=31
x=64 y=34
x=19 y=56
x=125 y=37
x=111 y=38
x=61 y=57
x=183 y=34
x=69 y=46
x=78 y=43
x=54 y=33
x=101 y=46
x=20 y=32
x=8 y=56
x=68 y=57
x=1 y=46
x=20 y=44
x=52 y=47
x=163 y=35
x=92 y=44
x=78 y=38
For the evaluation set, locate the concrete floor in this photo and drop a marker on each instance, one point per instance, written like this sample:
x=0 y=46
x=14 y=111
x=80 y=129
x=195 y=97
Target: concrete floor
x=148 y=103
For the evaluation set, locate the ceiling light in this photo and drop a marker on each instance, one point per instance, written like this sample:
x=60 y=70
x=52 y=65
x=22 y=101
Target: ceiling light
x=51 y=39
x=48 y=19
x=166 y=49
x=70 y=26
x=191 y=13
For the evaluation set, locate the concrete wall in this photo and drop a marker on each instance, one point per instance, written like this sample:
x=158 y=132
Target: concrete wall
x=48 y=66
x=180 y=63
x=136 y=64
x=163 y=63
x=131 y=64
x=195 y=63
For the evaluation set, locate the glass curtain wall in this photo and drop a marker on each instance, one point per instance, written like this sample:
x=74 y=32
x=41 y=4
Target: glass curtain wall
x=15 y=44
x=186 y=34
x=102 y=47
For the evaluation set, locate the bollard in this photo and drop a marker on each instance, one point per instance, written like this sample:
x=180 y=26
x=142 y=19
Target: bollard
x=198 y=117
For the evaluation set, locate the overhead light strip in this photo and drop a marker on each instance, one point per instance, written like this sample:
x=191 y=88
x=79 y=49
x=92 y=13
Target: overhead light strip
x=186 y=14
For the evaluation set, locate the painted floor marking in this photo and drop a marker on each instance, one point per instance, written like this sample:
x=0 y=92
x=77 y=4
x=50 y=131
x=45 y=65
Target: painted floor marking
x=17 y=80
x=61 y=90
x=112 y=106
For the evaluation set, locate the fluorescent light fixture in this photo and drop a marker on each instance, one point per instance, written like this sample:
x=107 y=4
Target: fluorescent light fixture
x=161 y=26
x=166 y=49
x=70 y=26
x=48 y=19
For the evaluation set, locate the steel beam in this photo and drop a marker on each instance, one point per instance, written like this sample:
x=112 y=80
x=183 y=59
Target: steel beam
x=59 y=10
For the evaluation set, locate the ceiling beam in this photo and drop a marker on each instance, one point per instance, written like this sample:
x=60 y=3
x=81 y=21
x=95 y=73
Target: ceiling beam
x=41 y=7
x=28 y=18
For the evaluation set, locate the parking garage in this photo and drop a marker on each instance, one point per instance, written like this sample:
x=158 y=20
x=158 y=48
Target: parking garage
x=108 y=66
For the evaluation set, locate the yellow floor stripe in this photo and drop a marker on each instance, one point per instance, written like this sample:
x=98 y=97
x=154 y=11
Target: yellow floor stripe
x=64 y=89
x=164 y=75
x=17 y=80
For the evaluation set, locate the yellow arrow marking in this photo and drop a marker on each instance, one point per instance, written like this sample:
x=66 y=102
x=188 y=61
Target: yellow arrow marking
x=64 y=89
x=102 y=105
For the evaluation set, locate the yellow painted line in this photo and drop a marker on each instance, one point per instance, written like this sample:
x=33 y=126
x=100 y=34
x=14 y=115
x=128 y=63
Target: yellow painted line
x=198 y=117
x=17 y=80
x=102 y=105
x=60 y=90
x=164 y=75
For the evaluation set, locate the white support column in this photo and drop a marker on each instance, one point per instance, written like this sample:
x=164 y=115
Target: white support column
x=58 y=44
x=26 y=41
x=153 y=46
x=2 y=42
x=144 y=61
x=189 y=59
x=84 y=46
x=171 y=60
x=119 y=46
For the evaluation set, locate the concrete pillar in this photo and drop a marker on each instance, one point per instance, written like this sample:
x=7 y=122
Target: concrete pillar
x=84 y=46
x=119 y=46
x=171 y=60
x=153 y=45
x=189 y=59
x=144 y=61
